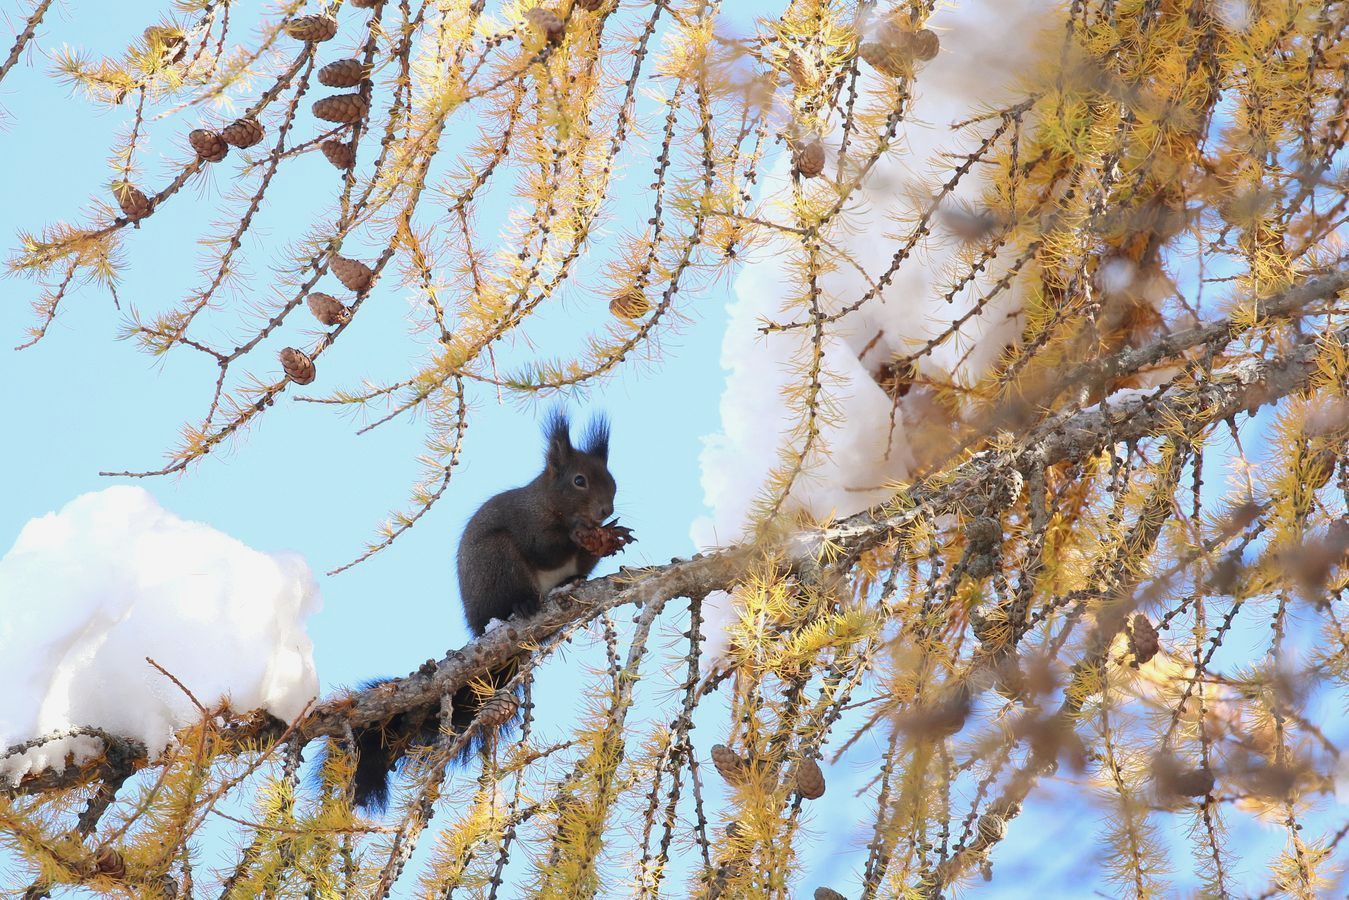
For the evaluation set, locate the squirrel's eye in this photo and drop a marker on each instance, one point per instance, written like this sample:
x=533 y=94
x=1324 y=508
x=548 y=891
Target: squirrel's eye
x=579 y=481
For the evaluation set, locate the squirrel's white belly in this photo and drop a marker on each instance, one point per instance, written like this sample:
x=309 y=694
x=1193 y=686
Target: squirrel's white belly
x=551 y=578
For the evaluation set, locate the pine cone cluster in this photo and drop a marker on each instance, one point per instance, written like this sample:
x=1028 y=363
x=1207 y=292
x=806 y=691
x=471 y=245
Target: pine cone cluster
x=297 y=365
x=892 y=47
x=603 y=540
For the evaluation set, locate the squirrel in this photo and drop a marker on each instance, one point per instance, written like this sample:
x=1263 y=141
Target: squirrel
x=519 y=546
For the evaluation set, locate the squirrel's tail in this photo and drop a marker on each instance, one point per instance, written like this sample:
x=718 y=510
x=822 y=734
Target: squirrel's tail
x=381 y=747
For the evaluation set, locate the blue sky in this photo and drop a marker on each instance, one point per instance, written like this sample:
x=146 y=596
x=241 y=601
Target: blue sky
x=81 y=401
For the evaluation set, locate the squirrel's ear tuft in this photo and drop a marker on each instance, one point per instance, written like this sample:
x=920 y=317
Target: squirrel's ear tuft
x=597 y=438
x=557 y=429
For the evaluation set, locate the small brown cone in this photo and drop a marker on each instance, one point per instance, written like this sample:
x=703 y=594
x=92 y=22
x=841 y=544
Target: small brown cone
x=343 y=73
x=808 y=156
x=243 y=133
x=1193 y=783
x=547 y=24
x=172 y=41
x=312 y=29
x=729 y=763
x=135 y=205
x=630 y=303
x=347 y=109
x=992 y=828
x=366 y=4
x=886 y=49
x=1175 y=779
x=353 y=273
x=208 y=144
x=1143 y=639
x=925 y=44
x=298 y=366
x=328 y=309
x=809 y=779
x=109 y=862
x=802 y=70
x=165 y=36
x=498 y=710
x=824 y=893
x=340 y=154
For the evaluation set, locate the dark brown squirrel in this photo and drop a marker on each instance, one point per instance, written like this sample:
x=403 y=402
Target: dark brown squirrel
x=518 y=546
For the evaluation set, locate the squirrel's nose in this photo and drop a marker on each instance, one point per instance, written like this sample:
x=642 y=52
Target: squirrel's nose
x=606 y=511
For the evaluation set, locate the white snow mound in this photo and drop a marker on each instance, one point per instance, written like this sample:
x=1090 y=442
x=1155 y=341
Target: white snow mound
x=87 y=593
x=978 y=68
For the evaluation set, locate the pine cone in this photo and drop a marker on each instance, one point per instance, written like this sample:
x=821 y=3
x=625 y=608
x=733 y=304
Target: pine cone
x=924 y=44
x=109 y=862
x=312 y=29
x=366 y=4
x=803 y=72
x=328 y=309
x=1193 y=782
x=210 y=146
x=992 y=828
x=343 y=73
x=298 y=366
x=808 y=157
x=1143 y=639
x=631 y=303
x=347 y=109
x=809 y=779
x=887 y=48
x=498 y=710
x=824 y=893
x=171 y=41
x=340 y=154
x=242 y=133
x=353 y=273
x=603 y=540
x=547 y=24
x=1176 y=780
x=135 y=205
x=730 y=764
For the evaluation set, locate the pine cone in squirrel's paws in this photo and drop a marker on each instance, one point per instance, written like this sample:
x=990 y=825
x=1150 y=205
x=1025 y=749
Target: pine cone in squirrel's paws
x=603 y=540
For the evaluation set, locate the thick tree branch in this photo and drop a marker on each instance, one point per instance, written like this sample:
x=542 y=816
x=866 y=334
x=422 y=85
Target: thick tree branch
x=1245 y=385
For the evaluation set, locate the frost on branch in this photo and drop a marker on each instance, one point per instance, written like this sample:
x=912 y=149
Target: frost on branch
x=88 y=593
